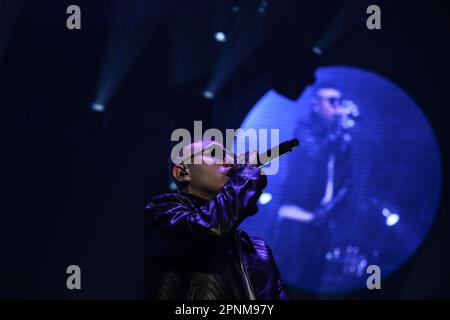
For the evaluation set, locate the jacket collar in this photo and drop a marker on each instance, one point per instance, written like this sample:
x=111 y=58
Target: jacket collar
x=195 y=199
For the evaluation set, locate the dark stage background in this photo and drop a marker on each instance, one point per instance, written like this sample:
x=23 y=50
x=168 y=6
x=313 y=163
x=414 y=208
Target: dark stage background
x=77 y=177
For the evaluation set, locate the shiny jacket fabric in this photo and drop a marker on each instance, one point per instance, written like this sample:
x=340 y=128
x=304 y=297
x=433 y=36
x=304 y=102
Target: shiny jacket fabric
x=189 y=241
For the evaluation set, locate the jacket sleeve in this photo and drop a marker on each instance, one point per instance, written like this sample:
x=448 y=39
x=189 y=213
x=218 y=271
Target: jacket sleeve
x=282 y=290
x=283 y=293
x=175 y=228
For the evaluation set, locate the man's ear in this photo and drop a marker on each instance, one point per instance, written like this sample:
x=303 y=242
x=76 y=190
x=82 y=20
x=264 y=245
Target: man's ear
x=181 y=173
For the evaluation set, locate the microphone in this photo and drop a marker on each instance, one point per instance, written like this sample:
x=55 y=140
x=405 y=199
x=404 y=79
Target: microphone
x=282 y=149
x=268 y=156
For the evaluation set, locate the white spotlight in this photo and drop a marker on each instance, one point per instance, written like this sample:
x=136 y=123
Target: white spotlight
x=220 y=36
x=265 y=198
x=392 y=219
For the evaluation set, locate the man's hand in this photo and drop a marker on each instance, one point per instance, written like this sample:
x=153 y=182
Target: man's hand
x=295 y=213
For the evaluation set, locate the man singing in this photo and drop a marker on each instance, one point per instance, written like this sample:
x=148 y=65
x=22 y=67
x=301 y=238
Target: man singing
x=194 y=249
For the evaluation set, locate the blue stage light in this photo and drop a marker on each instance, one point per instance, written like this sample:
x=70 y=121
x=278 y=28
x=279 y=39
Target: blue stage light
x=97 y=107
x=173 y=186
x=208 y=94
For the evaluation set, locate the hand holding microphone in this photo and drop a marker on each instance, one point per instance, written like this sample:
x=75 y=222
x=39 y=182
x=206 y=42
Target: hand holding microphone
x=249 y=158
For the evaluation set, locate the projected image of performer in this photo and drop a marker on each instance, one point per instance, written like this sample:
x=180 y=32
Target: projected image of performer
x=194 y=247
x=320 y=176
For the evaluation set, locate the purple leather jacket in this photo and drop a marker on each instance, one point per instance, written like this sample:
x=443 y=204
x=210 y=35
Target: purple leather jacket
x=190 y=244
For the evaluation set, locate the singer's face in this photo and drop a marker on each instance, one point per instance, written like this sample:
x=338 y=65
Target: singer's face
x=208 y=171
x=328 y=103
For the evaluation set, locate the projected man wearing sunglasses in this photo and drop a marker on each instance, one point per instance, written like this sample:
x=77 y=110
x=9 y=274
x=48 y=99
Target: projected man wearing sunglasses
x=311 y=204
x=194 y=248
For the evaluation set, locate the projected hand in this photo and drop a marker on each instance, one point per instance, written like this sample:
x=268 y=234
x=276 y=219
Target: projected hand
x=295 y=213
